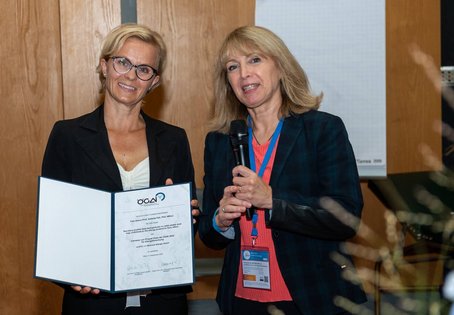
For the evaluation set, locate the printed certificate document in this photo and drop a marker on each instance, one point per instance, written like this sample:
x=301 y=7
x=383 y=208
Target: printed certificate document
x=130 y=240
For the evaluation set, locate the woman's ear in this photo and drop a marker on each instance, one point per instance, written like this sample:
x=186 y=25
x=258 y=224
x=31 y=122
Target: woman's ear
x=155 y=84
x=103 y=64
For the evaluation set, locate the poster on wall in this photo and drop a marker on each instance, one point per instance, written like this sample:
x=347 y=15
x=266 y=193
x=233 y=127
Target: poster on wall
x=342 y=47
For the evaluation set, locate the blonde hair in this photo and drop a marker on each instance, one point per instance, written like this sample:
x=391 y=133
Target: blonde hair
x=294 y=84
x=118 y=36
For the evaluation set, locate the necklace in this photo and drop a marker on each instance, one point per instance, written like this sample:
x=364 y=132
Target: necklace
x=253 y=134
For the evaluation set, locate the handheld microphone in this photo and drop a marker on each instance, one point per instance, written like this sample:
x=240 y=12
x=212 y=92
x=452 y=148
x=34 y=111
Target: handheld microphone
x=239 y=138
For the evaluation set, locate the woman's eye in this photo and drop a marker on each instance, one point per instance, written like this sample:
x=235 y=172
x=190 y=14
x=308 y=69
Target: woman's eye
x=144 y=70
x=123 y=61
x=255 y=60
x=230 y=68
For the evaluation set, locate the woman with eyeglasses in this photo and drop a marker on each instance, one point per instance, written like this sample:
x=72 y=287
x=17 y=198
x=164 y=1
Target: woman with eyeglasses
x=118 y=147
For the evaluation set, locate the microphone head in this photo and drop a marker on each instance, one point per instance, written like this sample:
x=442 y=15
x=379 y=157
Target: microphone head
x=238 y=132
x=238 y=127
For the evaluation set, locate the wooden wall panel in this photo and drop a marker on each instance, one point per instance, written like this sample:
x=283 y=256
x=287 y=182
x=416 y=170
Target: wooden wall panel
x=193 y=31
x=31 y=100
x=84 y=23
x=413 y=105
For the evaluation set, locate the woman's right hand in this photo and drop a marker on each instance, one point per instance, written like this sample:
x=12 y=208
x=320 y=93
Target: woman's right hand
x=230 y=207
x=85 y=290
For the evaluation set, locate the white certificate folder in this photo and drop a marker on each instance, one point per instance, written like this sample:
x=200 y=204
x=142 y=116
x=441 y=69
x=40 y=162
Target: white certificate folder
x=116 y=242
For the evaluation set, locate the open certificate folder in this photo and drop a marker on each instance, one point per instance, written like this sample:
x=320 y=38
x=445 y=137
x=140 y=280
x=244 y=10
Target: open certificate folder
x=130 y=240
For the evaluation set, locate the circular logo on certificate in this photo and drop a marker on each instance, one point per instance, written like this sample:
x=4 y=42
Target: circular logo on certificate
x=246 y=254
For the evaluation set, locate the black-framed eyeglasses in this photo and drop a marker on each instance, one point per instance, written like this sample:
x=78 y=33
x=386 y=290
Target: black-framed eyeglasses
x=123 y=65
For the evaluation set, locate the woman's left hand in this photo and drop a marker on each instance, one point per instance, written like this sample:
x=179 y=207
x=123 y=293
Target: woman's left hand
x=252 y=188
x=85 y=290
x=194 y=203
x=195 y=210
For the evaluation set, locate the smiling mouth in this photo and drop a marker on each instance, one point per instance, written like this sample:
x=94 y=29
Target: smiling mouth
x=249 y=87
x=127 y=87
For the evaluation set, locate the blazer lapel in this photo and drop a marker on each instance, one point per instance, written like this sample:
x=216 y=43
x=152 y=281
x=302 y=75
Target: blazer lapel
x=95 y=142
x=291 y=130
x=158 y=151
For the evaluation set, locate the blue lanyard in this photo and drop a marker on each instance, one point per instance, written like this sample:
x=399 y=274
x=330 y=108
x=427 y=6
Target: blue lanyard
x=269 y=151
x=266 y=159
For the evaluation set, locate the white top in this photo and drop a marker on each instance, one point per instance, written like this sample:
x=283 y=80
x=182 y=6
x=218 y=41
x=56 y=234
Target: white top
x=138 y=177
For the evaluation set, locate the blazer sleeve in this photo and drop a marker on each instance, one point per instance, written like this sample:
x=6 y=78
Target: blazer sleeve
x=216 y=177
x=333 y=209
x=55 y=162
x=185 y=166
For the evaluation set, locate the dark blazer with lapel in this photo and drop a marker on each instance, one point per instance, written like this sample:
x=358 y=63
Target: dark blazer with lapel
x=78 y=151
x=314 y=159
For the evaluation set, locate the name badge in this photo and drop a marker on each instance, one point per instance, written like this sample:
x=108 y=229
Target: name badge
x=256 y=267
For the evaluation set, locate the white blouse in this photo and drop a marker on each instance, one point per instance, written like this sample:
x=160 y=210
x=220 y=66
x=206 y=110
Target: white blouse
x=138 y=177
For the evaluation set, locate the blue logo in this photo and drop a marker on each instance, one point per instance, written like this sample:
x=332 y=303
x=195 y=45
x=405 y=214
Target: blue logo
x=146 y=201
x=161 y=196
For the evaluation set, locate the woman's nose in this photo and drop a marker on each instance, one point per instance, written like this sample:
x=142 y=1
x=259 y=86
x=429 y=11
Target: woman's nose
x=244 y=71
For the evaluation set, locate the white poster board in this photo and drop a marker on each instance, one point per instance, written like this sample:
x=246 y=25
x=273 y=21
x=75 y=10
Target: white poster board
x=342 y=47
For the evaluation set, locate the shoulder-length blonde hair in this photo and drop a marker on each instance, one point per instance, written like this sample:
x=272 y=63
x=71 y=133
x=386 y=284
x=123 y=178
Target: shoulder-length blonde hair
x=295 y=88
x=118 y=36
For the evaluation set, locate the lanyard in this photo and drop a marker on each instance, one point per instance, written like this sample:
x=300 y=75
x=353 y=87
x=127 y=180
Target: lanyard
x=266 y=159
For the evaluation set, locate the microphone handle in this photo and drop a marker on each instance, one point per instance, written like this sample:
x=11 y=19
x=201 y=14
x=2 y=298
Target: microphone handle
x=243 y=156
x=243 y=160
x=250 y=212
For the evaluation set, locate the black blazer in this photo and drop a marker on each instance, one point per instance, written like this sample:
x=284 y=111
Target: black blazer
x=314 y=159
x=78 y=151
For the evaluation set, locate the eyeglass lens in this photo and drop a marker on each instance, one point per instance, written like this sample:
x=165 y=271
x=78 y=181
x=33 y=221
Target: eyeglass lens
x=122 y=65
